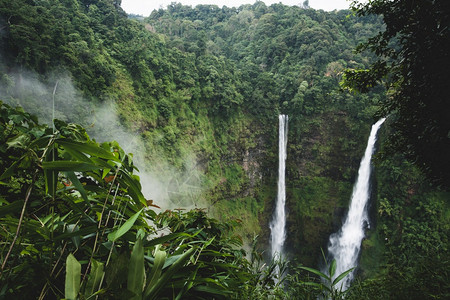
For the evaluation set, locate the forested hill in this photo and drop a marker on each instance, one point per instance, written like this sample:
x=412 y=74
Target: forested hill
x=195 y=94
x=203 y=87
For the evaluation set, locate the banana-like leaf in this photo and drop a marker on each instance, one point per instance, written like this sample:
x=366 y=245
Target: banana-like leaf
x=73 y=277
x=67 y=165
x=95 y=278
x=113 y=236
x=136 y=271
x=89 y=148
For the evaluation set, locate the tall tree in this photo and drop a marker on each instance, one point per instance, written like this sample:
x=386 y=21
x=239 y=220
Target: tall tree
x=413 y=63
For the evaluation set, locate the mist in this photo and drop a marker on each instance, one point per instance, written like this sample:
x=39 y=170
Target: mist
x=56 y=97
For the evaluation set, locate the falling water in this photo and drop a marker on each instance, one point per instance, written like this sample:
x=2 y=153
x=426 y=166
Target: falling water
x=278 y=224
x=344 y=246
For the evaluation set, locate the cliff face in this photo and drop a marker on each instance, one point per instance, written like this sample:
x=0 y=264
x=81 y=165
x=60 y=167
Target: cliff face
x=324 y=152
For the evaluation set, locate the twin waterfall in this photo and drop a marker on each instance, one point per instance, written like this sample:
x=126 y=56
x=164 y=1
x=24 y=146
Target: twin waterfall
x=278 y=224
x=344 y=246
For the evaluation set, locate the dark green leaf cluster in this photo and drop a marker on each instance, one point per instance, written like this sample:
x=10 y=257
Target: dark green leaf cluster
x=413 y=64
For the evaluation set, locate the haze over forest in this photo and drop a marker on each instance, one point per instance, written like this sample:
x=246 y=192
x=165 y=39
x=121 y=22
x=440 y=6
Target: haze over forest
x=158 y=179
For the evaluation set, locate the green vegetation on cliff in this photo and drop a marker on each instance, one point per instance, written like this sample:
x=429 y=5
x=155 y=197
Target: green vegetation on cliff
x=194 y=93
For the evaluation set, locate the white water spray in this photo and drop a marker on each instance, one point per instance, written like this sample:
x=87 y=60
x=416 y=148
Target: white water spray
x=344 y=246
x=278 y=224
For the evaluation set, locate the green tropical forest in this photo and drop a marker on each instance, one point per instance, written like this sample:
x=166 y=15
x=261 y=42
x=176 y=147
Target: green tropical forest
x=139 y=155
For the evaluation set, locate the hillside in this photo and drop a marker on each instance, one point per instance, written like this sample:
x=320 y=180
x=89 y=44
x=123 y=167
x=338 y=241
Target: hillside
x=195 y=93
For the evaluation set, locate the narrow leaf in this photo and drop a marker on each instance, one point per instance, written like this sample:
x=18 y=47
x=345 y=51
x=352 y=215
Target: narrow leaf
x=134 y=187
x=51 y=176
x=167 y=275
x=317 y=272
x=113 y=236
x=77 y=184
x=166 y=238
x=76 y=239
x=14 y=207
x=10 y=171
x=66 y=165
x=155 y=273
x=89 y=148
x=73 y=276
x=341 y=276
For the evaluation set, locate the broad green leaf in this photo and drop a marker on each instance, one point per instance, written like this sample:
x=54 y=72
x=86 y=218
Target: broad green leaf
x=136 y=271
x=341 y=276
x=73 y=277
x=113 y=236
x=105 y=172
x=332 y=268
x=317 y=272
x=95 y=278
x=89 y=148
x=67 y=165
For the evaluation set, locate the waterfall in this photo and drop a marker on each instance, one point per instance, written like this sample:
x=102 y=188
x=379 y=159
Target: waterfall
x=278 y=224
x=344 y=246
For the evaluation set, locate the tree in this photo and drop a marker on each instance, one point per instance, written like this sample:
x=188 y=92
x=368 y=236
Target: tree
x=413 y=63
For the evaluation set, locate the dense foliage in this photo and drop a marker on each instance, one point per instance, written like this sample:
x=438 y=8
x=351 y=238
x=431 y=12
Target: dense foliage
x=200 y=86
x=200 y=89
x=413 y=64
x=75 y=224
